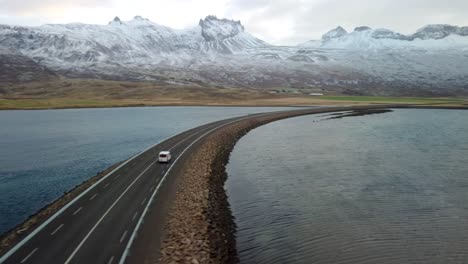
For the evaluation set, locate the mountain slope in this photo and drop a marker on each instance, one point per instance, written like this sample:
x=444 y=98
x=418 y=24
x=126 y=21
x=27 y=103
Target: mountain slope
x=432 y=61
x=16 y=68
x=429 y=37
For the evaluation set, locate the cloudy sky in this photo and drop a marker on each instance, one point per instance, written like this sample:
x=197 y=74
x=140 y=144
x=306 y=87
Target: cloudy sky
x=276 y=21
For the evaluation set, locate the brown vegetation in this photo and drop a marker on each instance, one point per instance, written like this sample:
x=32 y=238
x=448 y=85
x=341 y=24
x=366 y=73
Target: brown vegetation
x=78 y=93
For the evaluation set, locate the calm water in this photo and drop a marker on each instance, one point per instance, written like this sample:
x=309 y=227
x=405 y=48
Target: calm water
x=386 y=188
x=44 y=153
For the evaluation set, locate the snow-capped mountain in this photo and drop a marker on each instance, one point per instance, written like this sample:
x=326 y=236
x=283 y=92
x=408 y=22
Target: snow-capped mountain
x=135 y=41
x=428 y=37
x=439 y=32
x=432 y=61
x=16 y=68
x=334 y=34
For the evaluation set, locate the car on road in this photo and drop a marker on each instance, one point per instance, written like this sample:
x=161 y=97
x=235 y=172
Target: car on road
x=164 y=157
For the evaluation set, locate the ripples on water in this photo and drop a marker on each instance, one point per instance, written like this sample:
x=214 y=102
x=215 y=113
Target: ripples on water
x=387 y=188
x=44 y=153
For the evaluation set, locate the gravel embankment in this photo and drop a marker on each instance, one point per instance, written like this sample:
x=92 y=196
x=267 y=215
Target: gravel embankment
x=200 y=227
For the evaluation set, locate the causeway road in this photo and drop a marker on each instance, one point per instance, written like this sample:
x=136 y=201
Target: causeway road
x=101 y=224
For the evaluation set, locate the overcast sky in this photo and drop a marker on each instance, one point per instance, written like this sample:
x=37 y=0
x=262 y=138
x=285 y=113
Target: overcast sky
x=275 y=21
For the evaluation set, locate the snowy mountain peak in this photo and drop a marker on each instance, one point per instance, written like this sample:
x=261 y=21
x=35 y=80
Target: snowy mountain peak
x=439 y=31
x=368 y=38
x=383 y=33
x=116 y=21
x=214 y=28
x=334 y=33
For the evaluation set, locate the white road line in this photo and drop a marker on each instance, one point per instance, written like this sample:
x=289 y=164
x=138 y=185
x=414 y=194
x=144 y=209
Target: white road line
x=85 y=192
x=116 y=176
x=79 y=209
x=92 y=197
x=56 y=230
x=185 y=139
x=104 y=215
x=123 y=236
x=142 y=202
x=152 y=187
x=140 y=221
x=72 y=202
x=111 y=260
x=28 y=256
x=107 y=184
x=134 y=216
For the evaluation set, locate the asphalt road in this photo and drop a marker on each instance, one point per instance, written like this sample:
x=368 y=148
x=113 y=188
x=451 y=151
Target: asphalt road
x=101 y=224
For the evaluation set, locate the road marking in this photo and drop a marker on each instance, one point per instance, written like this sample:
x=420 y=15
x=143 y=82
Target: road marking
x=111 y=260
x=123 y=236
x=85 y=192
x=57 y=229
x=116 y=176
x=79 y=209
x=152 y=187
x=107 y=184
x=134 y=216
x=72 y=202
x=143 y=201
x=28 y=256
x=94 y=196
x=186 y=138
x=104 y=215
x=140 y=221
x=178 y=143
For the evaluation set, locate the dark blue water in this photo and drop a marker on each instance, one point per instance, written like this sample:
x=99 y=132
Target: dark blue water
x=385 y=188
x=45 y=153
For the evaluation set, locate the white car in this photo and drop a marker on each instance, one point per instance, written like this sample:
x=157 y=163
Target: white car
x=164 y=156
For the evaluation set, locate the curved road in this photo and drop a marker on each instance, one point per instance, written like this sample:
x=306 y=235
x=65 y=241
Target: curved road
x=101 y=224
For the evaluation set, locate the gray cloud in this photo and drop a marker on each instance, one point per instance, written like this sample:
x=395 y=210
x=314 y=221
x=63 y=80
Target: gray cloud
x=11 y=7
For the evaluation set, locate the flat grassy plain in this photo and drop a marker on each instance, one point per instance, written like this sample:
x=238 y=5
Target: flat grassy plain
x=399 y=100
x=84 y=93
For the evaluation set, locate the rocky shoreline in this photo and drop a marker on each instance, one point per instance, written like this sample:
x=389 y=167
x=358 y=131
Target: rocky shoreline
x=200 y=227
x=22 y=230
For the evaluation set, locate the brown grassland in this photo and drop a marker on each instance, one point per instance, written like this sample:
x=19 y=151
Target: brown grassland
x=86 y=93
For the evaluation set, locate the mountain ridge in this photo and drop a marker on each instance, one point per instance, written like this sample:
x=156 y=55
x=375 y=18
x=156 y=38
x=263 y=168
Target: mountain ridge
x=433 y=31
x=221 y=52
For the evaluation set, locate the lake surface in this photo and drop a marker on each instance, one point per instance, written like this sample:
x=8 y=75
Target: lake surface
x=44 y=153
x=384 y=188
